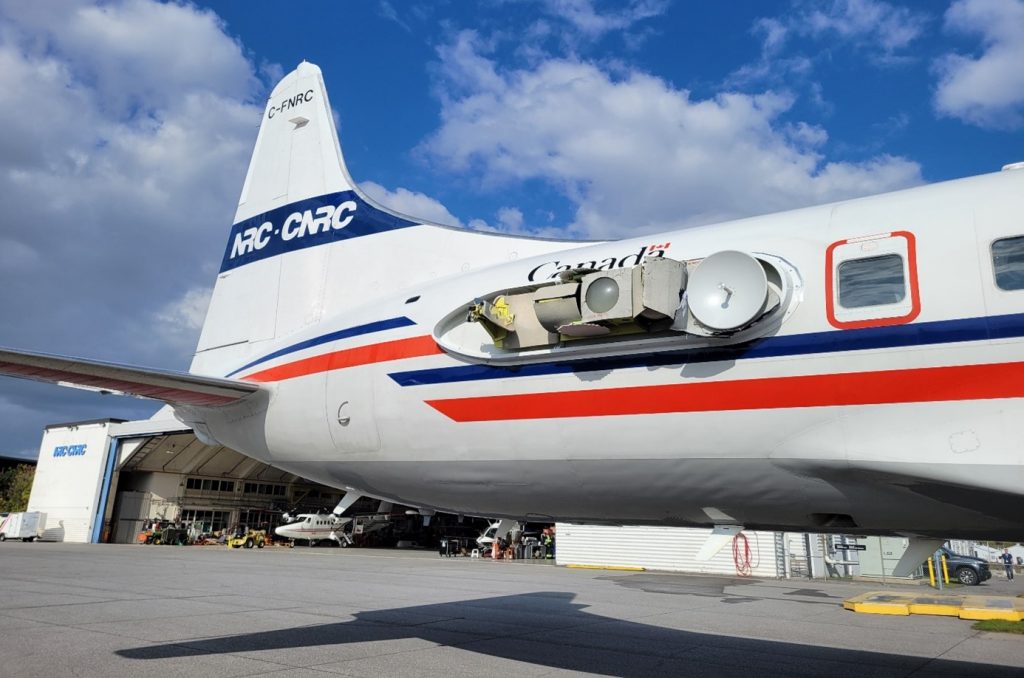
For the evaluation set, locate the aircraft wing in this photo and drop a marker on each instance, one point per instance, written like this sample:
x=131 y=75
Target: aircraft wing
x=177 y=388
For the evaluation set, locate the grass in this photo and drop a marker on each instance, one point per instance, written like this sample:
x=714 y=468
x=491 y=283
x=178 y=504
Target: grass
x=999 y=626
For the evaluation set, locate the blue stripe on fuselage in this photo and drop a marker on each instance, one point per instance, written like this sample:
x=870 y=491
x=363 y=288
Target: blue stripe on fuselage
x=915 y=334
x=369 y=328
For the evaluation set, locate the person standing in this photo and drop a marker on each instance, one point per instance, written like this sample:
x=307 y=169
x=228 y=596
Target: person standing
x=1007 y=559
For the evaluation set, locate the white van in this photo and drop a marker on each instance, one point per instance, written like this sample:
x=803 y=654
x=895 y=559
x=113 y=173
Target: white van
x=24 y=526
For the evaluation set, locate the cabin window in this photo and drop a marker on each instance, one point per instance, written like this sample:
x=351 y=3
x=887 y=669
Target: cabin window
x=1008 y=263
x=872 y=281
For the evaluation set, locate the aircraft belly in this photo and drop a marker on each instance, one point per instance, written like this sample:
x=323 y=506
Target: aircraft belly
x=656 y=490
x=755 y=493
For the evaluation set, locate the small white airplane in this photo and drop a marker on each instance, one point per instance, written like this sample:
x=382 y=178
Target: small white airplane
x=315 y=527
x=856 y=367
x=495 y=531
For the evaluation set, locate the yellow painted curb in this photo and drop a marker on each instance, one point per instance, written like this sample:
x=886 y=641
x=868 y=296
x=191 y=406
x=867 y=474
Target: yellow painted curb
x=880 y=603
x=939 y=605
x=975 y=608
x=937 y=610
x=623 y=568
x=982 y=608
x=897 y=609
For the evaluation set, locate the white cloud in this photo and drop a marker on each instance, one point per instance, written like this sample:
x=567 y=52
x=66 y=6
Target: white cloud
x=635 y=154
x=179 y=321
x=189 y=311
x=593 y=23
x=572 y=26
x=774 y=31
x=806 y=135
x=410 y=203
x=884 y=26
x=985 y=90
x=122 y=157
x=130 y=53
x=387 y=10
x=882 y=31
x=510 y=219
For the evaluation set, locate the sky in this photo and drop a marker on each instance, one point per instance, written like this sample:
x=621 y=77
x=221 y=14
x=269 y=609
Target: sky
x=126 y=128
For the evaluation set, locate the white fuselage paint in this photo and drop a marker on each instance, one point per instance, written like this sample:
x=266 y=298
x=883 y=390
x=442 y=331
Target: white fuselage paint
x=313 y=527
x=942 y=468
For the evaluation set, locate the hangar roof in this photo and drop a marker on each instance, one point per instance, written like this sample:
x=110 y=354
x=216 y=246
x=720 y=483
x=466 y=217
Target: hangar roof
x=181 y=452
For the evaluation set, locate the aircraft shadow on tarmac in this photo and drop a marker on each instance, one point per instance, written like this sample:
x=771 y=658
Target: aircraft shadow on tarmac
x=548 y=629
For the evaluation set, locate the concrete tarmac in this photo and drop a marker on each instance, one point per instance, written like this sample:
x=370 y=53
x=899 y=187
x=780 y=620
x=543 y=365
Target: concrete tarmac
x=112 y=610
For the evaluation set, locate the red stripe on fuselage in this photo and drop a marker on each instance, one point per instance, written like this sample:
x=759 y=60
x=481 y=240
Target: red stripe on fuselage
x=413 y=347
x=931 y=384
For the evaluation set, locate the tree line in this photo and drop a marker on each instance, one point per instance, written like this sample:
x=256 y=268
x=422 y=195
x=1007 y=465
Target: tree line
x=15 y=486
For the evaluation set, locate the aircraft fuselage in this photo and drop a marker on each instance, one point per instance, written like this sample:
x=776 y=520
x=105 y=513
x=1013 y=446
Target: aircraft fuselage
x=898 y=418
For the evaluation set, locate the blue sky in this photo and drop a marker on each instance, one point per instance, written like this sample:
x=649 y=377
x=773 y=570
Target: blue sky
x=863 y=77
x=128 y=126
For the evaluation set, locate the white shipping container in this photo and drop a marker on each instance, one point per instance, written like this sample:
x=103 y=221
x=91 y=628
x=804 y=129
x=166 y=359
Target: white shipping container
x=25 y=526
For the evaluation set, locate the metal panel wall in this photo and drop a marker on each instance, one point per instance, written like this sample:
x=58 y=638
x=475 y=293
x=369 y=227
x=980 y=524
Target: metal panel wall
x=68 y=480
x=658 y=548
x=132 y=514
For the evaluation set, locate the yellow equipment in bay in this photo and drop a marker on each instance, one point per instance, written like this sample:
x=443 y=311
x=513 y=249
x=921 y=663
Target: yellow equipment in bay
x=243 y=537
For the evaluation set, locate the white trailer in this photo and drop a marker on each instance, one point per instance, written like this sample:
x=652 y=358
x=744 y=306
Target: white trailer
x=24 y=526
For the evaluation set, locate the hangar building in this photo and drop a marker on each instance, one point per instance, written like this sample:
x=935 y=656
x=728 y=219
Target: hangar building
x=102 y=481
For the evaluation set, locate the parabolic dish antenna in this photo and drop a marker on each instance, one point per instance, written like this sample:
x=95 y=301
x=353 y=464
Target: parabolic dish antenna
x=727 y=290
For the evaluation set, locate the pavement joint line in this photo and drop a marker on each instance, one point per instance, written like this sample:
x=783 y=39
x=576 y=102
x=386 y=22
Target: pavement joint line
x=579 y=646
x=952 y=647
x=395 y=653
x=306 y=668
x=134 y=596
x=100 y=601
x=433 y=645
x=858 y=662
x=82 y=625
x=47 y=585
x=284 y=666
x=276 y=671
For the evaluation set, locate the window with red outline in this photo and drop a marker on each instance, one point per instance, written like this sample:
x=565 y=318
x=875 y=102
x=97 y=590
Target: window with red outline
x=912 y=285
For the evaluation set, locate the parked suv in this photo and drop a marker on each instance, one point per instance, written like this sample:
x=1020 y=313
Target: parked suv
x=968 y=570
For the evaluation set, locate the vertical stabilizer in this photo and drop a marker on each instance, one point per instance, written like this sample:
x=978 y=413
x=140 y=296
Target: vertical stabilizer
x=297 y=154
x=306 y=244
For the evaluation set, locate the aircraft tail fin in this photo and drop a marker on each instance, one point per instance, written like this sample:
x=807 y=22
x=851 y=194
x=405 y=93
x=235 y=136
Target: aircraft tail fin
x=306 y=244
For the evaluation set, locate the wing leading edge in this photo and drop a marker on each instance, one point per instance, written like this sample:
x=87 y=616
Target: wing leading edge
x=177 y=388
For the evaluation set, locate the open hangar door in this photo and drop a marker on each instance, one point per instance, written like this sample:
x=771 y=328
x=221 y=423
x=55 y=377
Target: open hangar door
x=105 y=481
x=163 y=472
